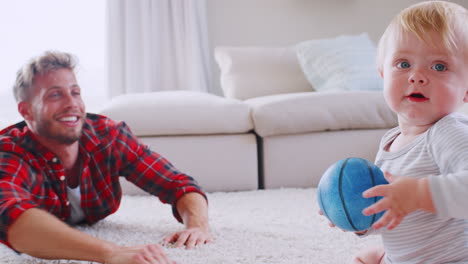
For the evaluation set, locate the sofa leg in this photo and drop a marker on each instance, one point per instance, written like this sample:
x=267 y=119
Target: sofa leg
x=261 y=181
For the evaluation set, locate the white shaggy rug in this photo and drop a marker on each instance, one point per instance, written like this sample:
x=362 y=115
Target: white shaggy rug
x=265 y=226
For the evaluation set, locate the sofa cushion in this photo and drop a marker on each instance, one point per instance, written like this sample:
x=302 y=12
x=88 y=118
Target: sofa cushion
x=341 y=63
x=179 y=113
x=248 y=72
x=312 y=112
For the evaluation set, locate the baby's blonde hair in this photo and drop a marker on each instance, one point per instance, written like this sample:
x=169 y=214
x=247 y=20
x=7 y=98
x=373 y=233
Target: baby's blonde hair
x=450 y=20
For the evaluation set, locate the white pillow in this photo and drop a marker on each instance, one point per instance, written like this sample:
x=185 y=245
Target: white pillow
x=341 y=63
x=248 y=72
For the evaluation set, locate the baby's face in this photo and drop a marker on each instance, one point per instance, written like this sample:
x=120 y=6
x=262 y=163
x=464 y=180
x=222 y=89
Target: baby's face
x=423 y=82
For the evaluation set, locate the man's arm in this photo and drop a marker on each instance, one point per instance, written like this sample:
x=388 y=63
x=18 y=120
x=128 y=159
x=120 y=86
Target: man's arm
x=193 y=209
x=40 y=234
x=162 y=179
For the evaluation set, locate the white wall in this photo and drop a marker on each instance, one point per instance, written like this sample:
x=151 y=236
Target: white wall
x=287 y=22
x=30 y=27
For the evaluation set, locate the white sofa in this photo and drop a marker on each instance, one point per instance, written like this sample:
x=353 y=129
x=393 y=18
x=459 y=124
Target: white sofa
x=300 y=131
x=271 y=130
x=204 y=135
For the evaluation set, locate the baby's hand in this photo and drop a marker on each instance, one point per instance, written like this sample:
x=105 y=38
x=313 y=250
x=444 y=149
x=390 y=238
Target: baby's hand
x=402 y=196
x=332 y=225
x=329 y=223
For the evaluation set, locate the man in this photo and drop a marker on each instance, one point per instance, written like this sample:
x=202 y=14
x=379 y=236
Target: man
x=61 y=167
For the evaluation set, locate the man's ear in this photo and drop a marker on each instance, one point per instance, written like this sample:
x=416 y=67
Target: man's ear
x=24 y=108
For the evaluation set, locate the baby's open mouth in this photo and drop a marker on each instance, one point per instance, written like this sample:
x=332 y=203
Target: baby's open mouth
x=417 y=97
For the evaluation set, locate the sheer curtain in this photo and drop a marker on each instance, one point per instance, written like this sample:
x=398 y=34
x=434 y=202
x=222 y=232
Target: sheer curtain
x=157 y=45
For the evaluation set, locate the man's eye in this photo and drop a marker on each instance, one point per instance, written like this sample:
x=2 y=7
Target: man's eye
x=403 y=65
x=439 y=67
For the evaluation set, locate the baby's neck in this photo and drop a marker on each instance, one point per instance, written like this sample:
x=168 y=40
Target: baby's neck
x=400 y=142
x=407 y=134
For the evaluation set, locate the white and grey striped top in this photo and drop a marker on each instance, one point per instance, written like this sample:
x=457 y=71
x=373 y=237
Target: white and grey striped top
x=441 y=153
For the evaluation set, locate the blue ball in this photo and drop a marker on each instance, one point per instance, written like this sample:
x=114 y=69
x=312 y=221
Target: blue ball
x=340 y=193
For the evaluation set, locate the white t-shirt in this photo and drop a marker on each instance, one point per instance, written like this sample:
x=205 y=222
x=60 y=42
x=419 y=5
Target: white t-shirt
x=74 y=197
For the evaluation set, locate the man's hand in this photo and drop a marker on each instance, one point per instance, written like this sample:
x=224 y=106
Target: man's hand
x=190 y=237
x=144 y=254
x=402 y=196
x=193 y=210
x=42 y=235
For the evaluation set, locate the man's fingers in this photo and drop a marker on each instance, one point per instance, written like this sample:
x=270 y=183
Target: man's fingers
x=170 y=239
x=181 y=240
x=201 y=241
x=157 y=255
x=191 y=241
x=142 y=254
x=190 y=238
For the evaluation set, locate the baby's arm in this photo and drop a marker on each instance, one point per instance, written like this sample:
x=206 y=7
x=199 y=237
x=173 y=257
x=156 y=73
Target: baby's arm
x=449 y=193
x=449 y=148
x=444 y=194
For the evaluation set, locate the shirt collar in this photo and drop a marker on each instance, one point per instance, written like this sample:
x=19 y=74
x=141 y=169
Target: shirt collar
x=22 y=136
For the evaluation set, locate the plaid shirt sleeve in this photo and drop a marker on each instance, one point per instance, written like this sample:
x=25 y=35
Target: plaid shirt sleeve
x=151 y=172
x=15 y=193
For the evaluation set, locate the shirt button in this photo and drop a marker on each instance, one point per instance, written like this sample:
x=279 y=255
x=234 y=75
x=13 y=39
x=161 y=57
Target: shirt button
x=67 y=203
x=54 y=159
x=62 y=178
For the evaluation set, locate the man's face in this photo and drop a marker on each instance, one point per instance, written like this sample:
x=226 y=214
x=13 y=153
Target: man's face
x=55 y=110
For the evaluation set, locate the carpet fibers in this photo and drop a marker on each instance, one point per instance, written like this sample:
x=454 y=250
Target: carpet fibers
x=265 y=226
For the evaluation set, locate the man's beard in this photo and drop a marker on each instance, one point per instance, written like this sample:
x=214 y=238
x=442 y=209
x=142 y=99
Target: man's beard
x=44 y=128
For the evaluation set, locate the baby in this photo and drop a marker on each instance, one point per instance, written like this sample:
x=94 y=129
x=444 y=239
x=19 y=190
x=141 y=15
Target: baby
x=423 y=60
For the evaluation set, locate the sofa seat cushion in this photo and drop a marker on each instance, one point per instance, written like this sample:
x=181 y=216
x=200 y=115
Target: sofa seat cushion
x=179 y=113
x=314 y=112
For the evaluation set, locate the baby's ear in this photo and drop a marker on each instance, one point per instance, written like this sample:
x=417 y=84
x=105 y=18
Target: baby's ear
x=465 y=99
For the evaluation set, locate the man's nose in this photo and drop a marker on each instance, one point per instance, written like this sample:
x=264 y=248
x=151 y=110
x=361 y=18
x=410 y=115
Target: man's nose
x=71 y=100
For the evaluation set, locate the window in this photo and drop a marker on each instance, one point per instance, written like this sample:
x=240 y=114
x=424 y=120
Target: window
x=30 y=27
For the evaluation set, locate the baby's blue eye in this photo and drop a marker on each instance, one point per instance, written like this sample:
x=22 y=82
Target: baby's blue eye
x=439 y=67
x=403 y=65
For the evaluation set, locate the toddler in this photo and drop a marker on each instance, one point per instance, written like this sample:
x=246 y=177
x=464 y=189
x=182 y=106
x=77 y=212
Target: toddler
x=423 y=60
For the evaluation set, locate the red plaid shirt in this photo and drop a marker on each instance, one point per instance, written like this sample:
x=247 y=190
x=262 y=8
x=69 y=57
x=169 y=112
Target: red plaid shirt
x=31 y=176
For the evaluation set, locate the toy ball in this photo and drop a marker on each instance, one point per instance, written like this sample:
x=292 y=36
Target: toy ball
x=340 y=193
